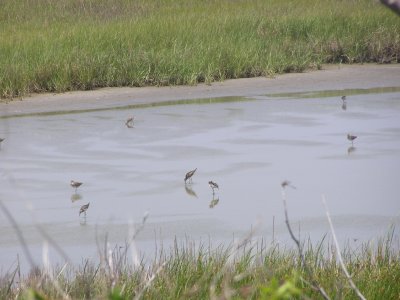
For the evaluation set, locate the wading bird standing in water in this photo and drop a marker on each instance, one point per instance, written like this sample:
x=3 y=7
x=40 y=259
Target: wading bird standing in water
x=344 y=104
x=75 y=184
x=84 y=208
x=286 y=183
x=213 y=185
x=351 y=138
x=1 y=139
x=129 y=122
x=189 y=175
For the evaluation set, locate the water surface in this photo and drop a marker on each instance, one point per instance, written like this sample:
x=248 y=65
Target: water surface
x=247 y=145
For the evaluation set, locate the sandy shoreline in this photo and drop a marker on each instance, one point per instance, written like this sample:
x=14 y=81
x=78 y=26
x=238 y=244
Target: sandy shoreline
x=330 y=78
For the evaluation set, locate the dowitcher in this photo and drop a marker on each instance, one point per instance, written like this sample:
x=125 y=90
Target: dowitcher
x=344 y=104
x=213 y=185
x=286 y=183
x=189 y=175
x=351 y=138
x=84 y=208
x=75 y=184
x=129 y=122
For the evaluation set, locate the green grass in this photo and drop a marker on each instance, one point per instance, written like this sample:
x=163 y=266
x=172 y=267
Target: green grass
x=204 y=273
x=57 y=46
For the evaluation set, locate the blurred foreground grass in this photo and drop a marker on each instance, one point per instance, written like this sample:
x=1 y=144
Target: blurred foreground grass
x=250 y=272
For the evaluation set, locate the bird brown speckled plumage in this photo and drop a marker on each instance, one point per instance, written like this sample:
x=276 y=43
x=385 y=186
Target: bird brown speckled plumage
x=75 y=184
x=189 y=175
x=129 y=122
x=84 y=208
x=351 y=138
x=213 y=185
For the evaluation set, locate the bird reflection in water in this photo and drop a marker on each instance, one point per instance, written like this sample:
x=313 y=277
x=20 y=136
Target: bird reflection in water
x=350 y=150
x=82 y=221
x=75 y=197
x=190 y=191
x=214 y=202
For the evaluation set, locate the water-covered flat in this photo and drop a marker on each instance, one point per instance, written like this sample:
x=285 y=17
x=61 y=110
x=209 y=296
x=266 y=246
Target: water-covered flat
x=247 y=139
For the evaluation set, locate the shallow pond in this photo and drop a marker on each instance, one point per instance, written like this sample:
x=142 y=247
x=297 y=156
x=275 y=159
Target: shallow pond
x=247 y=145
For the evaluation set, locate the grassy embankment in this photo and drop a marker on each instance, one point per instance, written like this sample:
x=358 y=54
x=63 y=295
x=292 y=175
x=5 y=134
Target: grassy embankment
x=56 y=46
x=186 y=273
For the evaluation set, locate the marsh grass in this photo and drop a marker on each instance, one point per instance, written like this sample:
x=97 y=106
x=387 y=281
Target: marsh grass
x=57 y=46
x=189 y=272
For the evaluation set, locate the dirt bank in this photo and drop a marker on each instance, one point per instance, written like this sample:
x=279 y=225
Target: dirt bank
x=330 y=78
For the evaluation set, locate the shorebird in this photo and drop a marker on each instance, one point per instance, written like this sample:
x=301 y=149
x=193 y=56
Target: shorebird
x=189 y=175
x=75 y=184
x=213 y=185
x=351 y=138
x=129 y=122
x=84 y=208
x=286 y=183
x=344 y=104
x=1 y=140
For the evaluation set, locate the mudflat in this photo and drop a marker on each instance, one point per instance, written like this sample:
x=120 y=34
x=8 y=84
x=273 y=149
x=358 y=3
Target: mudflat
x=260 y=132
x=331 y=77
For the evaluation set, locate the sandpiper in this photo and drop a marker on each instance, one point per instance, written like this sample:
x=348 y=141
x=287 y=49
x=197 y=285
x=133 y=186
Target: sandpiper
x=351 y=138
x=75 y=184
x=129 y=122
x=344 y=104
x=213 y=185
x=189 y=175
x=286 y=183
x=84 y=208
